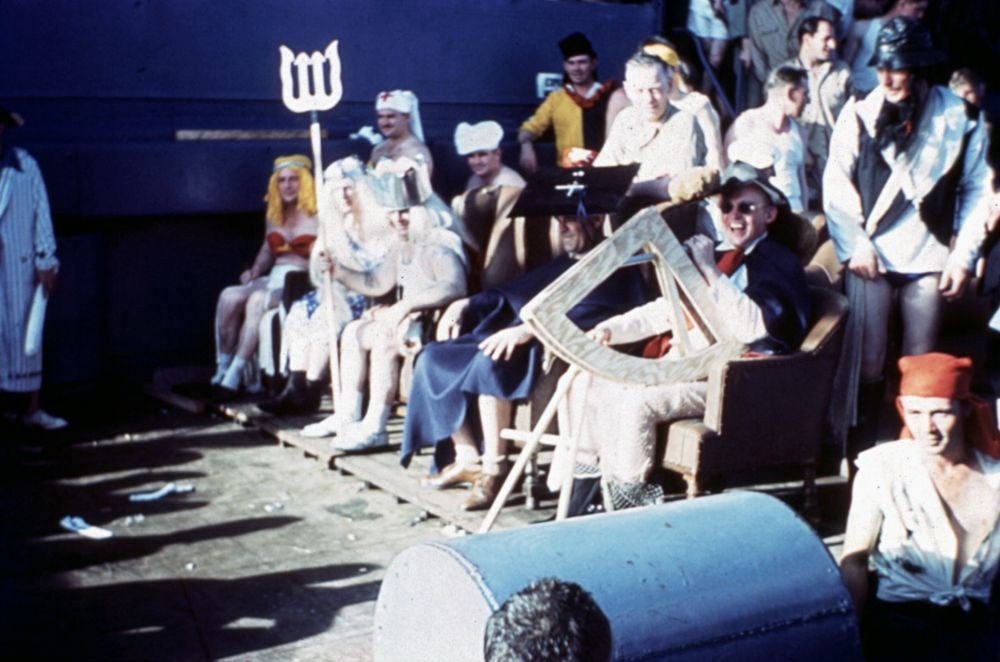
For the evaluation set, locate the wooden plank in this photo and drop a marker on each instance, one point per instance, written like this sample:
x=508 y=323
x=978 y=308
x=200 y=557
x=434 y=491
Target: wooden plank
x=167 y=396
x=379 y=467
x=244 y=134
x=287 y=430
x=384 y=471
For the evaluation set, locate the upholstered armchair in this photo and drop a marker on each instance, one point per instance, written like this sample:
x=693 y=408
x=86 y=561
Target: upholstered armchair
x=763 y=412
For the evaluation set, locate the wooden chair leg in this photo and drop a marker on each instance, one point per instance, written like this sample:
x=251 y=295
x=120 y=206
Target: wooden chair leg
x=810 y=503
x=530 y=485
x=527 y=453
x=693 y=486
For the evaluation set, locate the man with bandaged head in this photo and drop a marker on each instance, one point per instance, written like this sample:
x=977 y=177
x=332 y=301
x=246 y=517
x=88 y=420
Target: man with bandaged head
x=925 y=517
x=398 y=116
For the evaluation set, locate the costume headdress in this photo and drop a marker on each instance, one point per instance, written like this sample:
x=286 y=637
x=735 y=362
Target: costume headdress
x=406 y=102
x=349 y=167
x=938 y=375
x=307 y=188
x=481 y=137
x=663 y=52
x=405 y=183
x=904 y=43
x=401 y=184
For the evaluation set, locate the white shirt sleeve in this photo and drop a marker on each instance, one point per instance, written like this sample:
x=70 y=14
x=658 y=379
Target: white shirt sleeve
x=841 y=200
x=972 y=206
x=642 y=322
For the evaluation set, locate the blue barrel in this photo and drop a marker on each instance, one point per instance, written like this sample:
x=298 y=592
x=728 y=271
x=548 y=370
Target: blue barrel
x=737 y=576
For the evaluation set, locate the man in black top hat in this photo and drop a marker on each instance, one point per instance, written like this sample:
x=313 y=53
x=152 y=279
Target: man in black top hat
x=576 y=112
x=490 y=358
x=905 y=192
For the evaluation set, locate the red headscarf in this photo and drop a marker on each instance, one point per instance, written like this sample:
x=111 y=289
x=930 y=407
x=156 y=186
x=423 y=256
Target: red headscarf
x=938 y=375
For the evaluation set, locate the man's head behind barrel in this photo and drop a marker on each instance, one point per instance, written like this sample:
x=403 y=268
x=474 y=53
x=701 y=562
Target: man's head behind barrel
x=548 y=620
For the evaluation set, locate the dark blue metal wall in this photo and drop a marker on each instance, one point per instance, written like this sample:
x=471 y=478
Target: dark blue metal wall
x=104 y=87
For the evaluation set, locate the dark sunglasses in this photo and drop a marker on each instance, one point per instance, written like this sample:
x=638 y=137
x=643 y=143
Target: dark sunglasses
x=745 y=208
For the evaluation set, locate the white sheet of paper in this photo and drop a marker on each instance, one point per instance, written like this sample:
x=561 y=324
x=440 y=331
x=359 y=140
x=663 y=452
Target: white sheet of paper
x=36 y=322
x=995 y=320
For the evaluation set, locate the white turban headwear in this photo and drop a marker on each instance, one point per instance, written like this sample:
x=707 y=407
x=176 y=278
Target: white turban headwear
x=482 y=137
x=402 y=101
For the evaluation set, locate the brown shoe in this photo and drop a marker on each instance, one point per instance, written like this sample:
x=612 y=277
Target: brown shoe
x=484 y=491
x=451 y=476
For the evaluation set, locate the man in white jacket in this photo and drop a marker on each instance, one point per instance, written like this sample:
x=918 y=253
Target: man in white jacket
x=906 y=174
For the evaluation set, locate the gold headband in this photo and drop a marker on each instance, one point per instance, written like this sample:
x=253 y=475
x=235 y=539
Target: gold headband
x=663 y=52
x=292 y=162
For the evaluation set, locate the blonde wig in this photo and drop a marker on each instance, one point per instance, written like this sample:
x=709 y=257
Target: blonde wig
x=307 y=187
x=365 y=225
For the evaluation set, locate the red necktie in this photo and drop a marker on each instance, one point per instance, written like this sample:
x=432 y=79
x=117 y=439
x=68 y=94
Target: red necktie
x=659 y=344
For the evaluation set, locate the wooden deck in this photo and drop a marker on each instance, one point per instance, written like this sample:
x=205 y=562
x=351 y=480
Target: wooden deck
x=380 y=467
x=383 y=470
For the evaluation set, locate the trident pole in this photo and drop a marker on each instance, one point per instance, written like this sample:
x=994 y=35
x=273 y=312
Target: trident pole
x=324 y=95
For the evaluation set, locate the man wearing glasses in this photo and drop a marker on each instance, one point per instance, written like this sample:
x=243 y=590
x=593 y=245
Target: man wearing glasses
x=753 y=276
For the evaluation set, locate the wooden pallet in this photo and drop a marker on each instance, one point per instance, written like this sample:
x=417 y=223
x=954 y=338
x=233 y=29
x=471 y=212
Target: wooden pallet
x=380 y=467
x=383 y=471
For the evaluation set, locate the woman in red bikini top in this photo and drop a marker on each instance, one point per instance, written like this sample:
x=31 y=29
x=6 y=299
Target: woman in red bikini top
x=291 y=228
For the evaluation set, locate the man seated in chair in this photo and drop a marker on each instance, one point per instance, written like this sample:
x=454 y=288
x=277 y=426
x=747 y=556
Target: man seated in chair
x=427 y=268
x=759 y=283
x=925 y=517
x=490 y=192
x=465 y=385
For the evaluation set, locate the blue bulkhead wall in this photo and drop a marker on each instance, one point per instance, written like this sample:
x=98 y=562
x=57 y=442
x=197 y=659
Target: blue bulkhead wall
x=105 y=86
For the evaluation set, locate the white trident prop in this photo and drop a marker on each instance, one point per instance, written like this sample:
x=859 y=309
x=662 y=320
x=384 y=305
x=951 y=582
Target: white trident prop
x=313 y=98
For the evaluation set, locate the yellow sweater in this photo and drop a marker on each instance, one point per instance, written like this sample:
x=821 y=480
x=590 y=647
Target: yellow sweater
x=560 y=112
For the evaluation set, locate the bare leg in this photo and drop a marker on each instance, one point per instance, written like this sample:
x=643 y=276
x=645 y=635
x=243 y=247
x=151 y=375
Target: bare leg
x=495 y=414
x=353 y=357
x=871 y=389
x=258 y=303
x=296 y=338
x=878 y=304
x=319 y=360
x=383 y=378
x=466 y=448
x=920 y=303
x=229 y=316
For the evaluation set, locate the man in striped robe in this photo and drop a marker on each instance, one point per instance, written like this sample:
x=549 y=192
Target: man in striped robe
x=27 y=261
